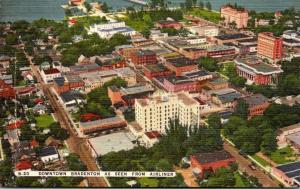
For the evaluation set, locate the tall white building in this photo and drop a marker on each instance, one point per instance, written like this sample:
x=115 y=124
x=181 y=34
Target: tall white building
x=109 y=29
x=155 y=113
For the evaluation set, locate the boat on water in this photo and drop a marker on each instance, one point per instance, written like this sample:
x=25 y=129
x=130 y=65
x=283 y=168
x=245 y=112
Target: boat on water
x=141 y=2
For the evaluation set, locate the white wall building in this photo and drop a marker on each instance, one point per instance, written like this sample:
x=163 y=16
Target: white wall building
x=49 y=74
x=155 y=113
x=291 y=38
x=208 y=31
x=109 y=29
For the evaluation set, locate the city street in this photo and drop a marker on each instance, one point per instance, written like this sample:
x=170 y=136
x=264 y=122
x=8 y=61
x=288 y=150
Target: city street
x=244 y=163
x=76 y=145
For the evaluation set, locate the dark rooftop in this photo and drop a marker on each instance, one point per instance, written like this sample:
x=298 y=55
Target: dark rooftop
x=255 y=99
x=59 y=81
x=213 y=156
x=178 y=79
x=232 y=36
x=156 y=67
x=145 y=53
x=70 y=95
x=181 y=62
x=289 y=167
x=47 y=151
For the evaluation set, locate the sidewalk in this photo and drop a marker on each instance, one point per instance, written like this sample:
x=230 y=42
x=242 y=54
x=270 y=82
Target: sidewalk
x=188 y=176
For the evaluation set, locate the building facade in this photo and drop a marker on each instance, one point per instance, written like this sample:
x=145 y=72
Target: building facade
x=269 y=46
x=142 y=57
x=238 y=16
x=157 y=112
x=256 y=71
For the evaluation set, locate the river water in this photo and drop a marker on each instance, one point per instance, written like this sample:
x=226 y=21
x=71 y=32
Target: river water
x=12 y=10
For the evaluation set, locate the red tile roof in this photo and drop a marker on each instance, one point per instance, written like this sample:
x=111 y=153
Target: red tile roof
x=34 y=143
x=17 y=124
x=153 y=134
x=89 y=116
x=51 y=71
x=38 y=100
x=22 y=165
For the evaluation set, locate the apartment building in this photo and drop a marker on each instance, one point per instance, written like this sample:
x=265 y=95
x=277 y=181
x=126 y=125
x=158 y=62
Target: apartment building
x=156 y=112
x=269 y=46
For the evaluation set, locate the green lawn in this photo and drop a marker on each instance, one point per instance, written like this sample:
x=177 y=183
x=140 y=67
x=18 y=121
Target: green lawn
x=281 y=156
x=148 y=182
x=260 y=160
x=224 y=67
x=205 y=14
x=44 y=121
x=241 y=181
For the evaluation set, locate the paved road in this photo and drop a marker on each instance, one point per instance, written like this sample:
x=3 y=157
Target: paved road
x=244 y=163
x=76 y=145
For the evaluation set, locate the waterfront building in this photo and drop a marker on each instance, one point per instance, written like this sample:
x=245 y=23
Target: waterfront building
x=269 y=46
x=156 y=112
x=107 y=30
x=237 y=15
x=168 y=24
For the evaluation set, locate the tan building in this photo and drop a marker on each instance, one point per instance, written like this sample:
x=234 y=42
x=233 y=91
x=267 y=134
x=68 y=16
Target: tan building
x=156 y=112
x=237 y=15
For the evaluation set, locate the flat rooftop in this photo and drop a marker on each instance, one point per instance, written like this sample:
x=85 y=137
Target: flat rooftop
x=102 y=122
x=257 y=65
x=112 y=143
x=156 y=67
x=210 y=157
x=136 y=89
x=232 y=36
x=255 y=100
x=181 y=62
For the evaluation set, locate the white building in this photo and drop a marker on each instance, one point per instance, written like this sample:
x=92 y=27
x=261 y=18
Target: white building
x=49 y=74
x=208 y=31
x=49 y=154
x=96 y=79
x=157 y=34
x=195 y=40
x=291 y=38
x=109 y=29
x=155 y=113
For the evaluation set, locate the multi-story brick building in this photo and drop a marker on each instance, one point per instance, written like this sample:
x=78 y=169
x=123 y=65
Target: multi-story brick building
x=193 y=53
x=168 y=24
x=180 y=65
x=220 y=51
x=180 y=83
x=127 y=95
x=156 y=113
x=210 y=161
x=257 y=104
x=269 y=46
x=142 y=57
x=237 y=15
x=67 y=83
x=156 y=70
x=256 y=71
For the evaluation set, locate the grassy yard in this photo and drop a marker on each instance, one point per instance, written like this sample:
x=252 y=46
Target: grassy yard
x=44 y=121
x=148 y=182
x=281 y=156
x=260 y=160
x=241 y=181
x=90 y=20
x=224 y=67
x=205 y=14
